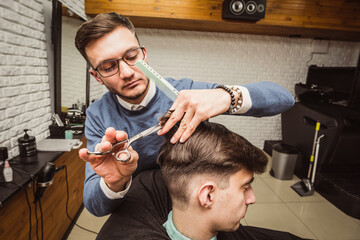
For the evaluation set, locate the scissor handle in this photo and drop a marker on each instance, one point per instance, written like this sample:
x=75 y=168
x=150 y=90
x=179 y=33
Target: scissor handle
x=117 y=155
x=109 y=151
x=99 y=153
x=129 y=141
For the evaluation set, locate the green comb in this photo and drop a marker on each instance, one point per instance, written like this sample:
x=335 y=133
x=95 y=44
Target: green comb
x=160 y=82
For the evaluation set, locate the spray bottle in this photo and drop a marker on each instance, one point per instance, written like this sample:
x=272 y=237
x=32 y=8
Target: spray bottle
x=8 y=172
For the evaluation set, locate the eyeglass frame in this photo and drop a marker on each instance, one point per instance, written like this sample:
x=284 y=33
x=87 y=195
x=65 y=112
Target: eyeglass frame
x=118 y=60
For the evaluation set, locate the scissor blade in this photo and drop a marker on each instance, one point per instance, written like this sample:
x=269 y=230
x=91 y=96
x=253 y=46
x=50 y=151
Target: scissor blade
x=145 y=133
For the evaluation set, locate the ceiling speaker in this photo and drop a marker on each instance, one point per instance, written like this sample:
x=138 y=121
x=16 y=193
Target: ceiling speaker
x=252 y=10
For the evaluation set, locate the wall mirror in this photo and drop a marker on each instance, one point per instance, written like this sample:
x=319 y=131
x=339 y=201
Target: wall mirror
x=71 y=70
x=73 y=65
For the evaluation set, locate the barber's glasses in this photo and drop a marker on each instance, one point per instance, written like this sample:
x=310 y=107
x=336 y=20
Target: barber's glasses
x=111 y=67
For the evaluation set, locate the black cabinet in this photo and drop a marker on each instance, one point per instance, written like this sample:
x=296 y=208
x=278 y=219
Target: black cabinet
x=338 y=169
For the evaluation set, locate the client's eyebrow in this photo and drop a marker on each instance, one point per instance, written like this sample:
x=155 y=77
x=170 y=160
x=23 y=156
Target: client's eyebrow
x=248 y=182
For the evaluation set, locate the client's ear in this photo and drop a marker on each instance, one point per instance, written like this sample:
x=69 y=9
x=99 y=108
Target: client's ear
x=206 y=195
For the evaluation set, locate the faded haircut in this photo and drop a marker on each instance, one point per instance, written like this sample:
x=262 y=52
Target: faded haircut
x=98 y=27
x=211 y=150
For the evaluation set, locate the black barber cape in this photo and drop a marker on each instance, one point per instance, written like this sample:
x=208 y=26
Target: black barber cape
x=146 y=207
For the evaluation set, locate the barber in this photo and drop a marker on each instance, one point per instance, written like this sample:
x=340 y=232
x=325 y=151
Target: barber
x=133 y=103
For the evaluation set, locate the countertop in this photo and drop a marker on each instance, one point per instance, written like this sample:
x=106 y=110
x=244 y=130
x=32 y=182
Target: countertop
x=24 y=169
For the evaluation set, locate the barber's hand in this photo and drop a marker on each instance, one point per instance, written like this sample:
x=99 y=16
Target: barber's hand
x=196 y=106
x=115 y=173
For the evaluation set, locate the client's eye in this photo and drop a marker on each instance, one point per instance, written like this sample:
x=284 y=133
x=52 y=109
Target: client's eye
x=247 y=188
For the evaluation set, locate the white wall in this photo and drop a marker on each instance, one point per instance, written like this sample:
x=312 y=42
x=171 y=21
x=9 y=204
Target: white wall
x=24 y=82
x=239 y=59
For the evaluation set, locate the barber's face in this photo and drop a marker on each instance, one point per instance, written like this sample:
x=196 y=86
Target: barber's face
x=231 y=203
x=129 y=83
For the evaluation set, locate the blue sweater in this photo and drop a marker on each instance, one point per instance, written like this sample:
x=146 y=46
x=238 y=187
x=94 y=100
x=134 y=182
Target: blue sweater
x=267 y=99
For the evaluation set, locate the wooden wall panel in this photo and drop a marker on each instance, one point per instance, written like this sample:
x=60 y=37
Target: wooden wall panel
x=306 y=18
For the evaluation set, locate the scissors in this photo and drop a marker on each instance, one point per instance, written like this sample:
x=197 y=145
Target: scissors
x=128 y=142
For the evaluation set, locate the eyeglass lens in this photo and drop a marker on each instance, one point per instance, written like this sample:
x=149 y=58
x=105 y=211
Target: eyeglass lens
x=111 y=67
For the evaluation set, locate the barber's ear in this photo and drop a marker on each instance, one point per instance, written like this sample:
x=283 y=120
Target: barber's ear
x=96 y=76
x=145 y=54
x=206 y=195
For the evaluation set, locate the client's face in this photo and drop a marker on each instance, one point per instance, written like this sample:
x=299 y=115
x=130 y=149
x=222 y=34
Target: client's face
x=231 y=203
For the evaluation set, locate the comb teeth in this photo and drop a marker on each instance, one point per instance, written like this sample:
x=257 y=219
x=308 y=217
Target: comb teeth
x=159 y=81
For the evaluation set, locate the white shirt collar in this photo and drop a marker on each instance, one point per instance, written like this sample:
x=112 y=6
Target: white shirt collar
x=144 y=102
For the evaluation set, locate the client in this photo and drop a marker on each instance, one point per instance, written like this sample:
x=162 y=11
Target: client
x=209 y=180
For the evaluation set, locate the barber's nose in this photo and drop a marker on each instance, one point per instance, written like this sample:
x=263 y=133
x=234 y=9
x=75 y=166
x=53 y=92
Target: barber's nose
x=125 y=70
x=250 y=197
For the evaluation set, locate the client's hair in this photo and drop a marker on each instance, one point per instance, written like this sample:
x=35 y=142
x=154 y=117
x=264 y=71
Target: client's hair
x=212 y=150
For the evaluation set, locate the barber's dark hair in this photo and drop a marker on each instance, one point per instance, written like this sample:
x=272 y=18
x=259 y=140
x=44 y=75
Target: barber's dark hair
x=211 y=149
x=99 y=26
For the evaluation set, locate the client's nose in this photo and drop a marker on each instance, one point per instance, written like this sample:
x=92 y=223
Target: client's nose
x=250 y=197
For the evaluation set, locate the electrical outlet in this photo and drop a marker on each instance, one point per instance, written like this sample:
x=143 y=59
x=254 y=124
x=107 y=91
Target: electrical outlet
x=320 y=46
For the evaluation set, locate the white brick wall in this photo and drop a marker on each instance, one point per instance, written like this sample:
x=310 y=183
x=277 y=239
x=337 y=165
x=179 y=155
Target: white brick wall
x=239 y=59
x=24 y=84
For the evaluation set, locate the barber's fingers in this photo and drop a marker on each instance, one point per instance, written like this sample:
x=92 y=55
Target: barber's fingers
x=121 y=136
x=134 y=156
x=129 y=167
x=110 y=135
x=83 y=154
x=186 y=127
x=192 y=125
x=104 y=146
x=193 y=107
x=179 y=107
